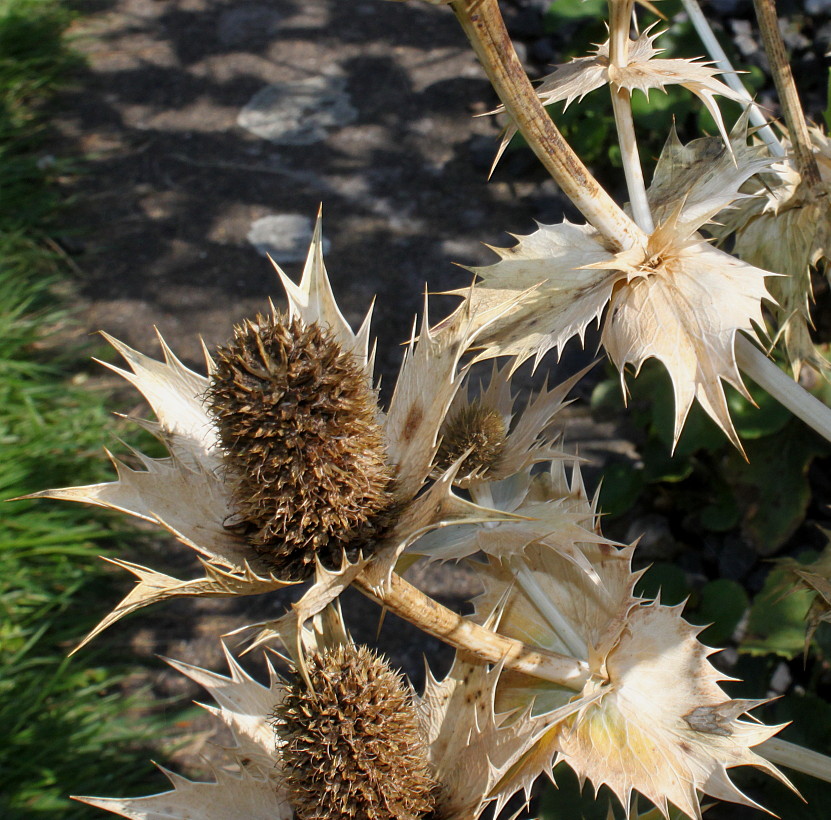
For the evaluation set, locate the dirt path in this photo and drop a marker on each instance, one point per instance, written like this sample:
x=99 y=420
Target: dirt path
x=377 y=101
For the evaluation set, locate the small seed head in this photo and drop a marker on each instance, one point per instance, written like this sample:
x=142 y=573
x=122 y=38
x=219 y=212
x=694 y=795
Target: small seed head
x=352 y=746
x=297 y=420
x=474 y=426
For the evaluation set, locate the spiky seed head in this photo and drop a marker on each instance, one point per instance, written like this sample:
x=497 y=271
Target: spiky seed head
x=473 y=426
x=352 y=745
x=297 y=419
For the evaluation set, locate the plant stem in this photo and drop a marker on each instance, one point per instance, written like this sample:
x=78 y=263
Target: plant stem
x=796 y=757
x=803 y=151
x=783 y=388
x=619 y=23
x=632 y=170
x=731 y=76
x=482 y=23
x=411 y=604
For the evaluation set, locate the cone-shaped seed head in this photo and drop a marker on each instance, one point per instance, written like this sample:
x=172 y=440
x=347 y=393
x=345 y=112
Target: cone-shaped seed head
x=297 y=419
x=473 y=426
x=352 y=745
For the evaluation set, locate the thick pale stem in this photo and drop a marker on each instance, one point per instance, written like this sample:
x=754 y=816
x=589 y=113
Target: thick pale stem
x=620 y=15
x=632 y=170
x=796 y=757
x=484 y=27
x=780 y=67
x=409 y=603
x=731 y=77
x=782 y=387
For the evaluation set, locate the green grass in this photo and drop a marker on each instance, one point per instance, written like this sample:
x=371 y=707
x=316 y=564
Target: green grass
x=65 y=724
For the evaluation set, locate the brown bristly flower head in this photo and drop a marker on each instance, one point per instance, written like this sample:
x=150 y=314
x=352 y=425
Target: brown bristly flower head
x=477 y=430
x=352 y=745
x=500 y=441
x=356 y=743
x=296 y=416
x=282 y=467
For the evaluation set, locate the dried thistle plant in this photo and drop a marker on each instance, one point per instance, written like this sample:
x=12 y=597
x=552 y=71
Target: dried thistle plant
x=349 y=739
x=283 y=469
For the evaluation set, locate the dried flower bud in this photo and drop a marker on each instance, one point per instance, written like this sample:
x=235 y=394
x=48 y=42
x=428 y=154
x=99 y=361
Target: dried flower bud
x=297 y=419
x=476 y=428
x=352 y=746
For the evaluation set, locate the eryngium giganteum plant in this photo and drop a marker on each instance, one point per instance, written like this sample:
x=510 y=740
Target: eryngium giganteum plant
x=281 y=462
x=347 y=738
x=284 y=469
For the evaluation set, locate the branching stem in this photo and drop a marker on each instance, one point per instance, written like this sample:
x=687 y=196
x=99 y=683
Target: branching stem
x=731 y=76
x=619 y=24
x=411 y=604
x=780 y=67
x=795 y=757
x=630 y=156
x=482 y=22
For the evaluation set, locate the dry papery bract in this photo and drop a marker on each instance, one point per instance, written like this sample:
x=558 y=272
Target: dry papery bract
x=642 y=71
x=784 y=225
x=651 y=717
x=676 y=298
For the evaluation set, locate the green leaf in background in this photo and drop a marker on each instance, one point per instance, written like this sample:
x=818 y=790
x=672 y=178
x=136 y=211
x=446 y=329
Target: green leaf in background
x=606 y=398
x=573 y=10
x=567 y=801
x=777 y=622
x=653 y=389
x=657 y=113
x=767 y=417
x=826 y=115
x=622 y=484
x=722 y=604
x=590 y=128
x=718 y=510
x=653 y=386
x=773 y=486
x=666 y=579
x=657 y=814
x=661 y=465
